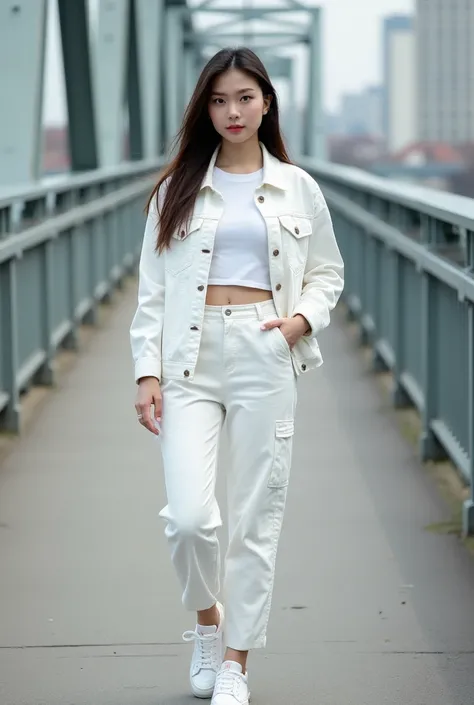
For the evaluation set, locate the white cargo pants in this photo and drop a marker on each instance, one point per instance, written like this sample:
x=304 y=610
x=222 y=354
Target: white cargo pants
x=244 y=376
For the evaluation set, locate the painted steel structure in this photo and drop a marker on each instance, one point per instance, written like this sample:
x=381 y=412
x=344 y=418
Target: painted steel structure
x=129 y=75
x=66 y=243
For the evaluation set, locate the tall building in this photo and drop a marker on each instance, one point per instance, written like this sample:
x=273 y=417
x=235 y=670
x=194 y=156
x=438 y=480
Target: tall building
x=361 y=113
x=400 y=84
x=374 y=111
x=445 y=57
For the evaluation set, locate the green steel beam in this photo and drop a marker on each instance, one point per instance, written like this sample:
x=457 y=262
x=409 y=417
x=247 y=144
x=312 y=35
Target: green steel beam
x=245 y=15
x=190 y=72
x=209 y=8
x=282 y=37
x=22 y=50
x=297 y=126
x=135 y=124
x=150 y=36
x=254 y=44
x=73 y=21
x=278 y=65
x=110 y=69
x=315 y=140
x=174 y=73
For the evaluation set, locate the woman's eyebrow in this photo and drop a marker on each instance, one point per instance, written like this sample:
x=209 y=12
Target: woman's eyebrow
x=244 y=90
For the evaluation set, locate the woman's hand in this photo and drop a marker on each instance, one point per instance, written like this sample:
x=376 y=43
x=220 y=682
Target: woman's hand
x=149 y=393
x=292 y=328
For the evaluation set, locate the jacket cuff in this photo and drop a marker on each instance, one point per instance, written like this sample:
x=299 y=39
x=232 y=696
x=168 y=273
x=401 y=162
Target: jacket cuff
x=308 y=311
x=148 y=367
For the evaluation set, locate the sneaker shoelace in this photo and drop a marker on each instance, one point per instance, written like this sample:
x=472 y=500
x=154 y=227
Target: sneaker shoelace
x=207 y=651
x=228 y=683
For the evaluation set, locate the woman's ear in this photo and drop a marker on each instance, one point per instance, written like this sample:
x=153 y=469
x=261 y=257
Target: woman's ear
x=266 y=103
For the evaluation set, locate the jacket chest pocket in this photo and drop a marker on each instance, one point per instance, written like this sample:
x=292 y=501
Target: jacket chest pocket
x=181 y=252
x=295 y=231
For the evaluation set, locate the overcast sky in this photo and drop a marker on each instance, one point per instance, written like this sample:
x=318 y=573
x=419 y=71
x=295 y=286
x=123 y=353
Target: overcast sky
x=352 y=50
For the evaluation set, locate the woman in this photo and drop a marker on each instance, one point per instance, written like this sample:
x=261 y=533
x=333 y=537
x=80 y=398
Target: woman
x=238 y=274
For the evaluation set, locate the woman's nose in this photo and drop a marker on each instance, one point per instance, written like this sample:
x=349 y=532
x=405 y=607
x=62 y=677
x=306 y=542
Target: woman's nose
x=234 y=111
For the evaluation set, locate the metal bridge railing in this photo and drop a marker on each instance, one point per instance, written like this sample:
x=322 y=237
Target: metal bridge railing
x=65 y=245
x=409 y=255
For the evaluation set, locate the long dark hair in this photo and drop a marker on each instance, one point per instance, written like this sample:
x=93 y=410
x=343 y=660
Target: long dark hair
x=198 y=139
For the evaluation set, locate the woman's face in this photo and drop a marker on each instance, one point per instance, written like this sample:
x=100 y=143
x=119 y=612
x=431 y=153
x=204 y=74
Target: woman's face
x=237 y=106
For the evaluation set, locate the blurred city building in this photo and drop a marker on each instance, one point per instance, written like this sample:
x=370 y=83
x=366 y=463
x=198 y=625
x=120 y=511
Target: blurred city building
x=418 y=126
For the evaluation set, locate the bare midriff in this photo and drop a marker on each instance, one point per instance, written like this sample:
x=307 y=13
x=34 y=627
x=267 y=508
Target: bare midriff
x=235 y=295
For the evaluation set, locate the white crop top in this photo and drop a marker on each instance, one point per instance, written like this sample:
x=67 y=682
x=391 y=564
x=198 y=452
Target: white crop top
x=240 y=255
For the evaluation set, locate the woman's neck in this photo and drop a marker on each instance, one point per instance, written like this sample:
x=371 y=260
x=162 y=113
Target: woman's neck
x=240 y=158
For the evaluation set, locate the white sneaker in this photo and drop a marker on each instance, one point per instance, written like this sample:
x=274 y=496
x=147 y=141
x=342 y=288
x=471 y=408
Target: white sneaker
x=207 y=656
x=231 y=685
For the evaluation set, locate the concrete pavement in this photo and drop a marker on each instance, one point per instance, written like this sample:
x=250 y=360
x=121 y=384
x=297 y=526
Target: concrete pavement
x=369 y=607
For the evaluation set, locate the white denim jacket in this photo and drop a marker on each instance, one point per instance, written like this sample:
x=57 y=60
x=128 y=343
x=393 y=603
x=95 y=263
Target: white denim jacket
x=306 y=271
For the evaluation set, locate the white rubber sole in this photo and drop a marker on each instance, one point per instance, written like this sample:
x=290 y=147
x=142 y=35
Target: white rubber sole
x=248 y=700
x=202 y=694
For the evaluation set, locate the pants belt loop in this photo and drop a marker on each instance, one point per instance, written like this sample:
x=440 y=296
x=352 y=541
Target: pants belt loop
x=259 y=311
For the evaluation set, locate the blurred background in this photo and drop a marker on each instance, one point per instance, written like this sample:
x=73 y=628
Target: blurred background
x=397 y=87
x=92 y=93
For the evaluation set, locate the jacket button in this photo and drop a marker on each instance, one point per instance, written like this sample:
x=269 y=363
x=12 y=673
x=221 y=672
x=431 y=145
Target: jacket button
x=206 y=251
x=227 y=312
x=261 y=199
x=278 y=287
x=297 y=231
x=200 y=287
x=186 y=373
x=194 y=328
x=276 y=253
x=303 y=367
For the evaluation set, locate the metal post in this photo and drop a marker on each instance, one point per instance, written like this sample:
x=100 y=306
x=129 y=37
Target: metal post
x=134 y=88
x=190 y=77
x=45 y=374
x=77 y=72
x=468 y=509
x=315 y=139
x=9 y=317
x=22 y=49
x=296 y=134
x=430 y=448
x=150 y=36
x=110 y=65
x=174 y=44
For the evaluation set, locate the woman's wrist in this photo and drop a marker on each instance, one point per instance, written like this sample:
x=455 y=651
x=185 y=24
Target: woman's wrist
x=306 y=328
x=147 y=377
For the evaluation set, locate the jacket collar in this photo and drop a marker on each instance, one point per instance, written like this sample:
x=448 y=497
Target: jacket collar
x=272 y=170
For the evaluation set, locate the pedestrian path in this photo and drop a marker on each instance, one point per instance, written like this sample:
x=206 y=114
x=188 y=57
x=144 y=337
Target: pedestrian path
x=369 y=607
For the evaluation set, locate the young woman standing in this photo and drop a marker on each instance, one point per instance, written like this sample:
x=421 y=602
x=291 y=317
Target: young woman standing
x=238 y=274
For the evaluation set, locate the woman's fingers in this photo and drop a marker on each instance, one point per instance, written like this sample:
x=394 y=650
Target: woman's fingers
x=157 y=406
x=148 y=395
x=145 y=418
x=276 y=323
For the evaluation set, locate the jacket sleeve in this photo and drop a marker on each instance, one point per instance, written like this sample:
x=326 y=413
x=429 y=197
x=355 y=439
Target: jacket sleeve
x=323 y=279
x=147 y=325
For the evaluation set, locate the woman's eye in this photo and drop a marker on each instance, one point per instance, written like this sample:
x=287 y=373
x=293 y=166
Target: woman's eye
x=246 y=98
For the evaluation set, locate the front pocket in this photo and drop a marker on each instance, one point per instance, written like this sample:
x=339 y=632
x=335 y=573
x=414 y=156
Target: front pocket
x=296 y=246
x=282 y=341
x=280 y=472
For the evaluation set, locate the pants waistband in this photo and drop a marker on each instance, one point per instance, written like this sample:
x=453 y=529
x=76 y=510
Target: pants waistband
x=258 y=311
